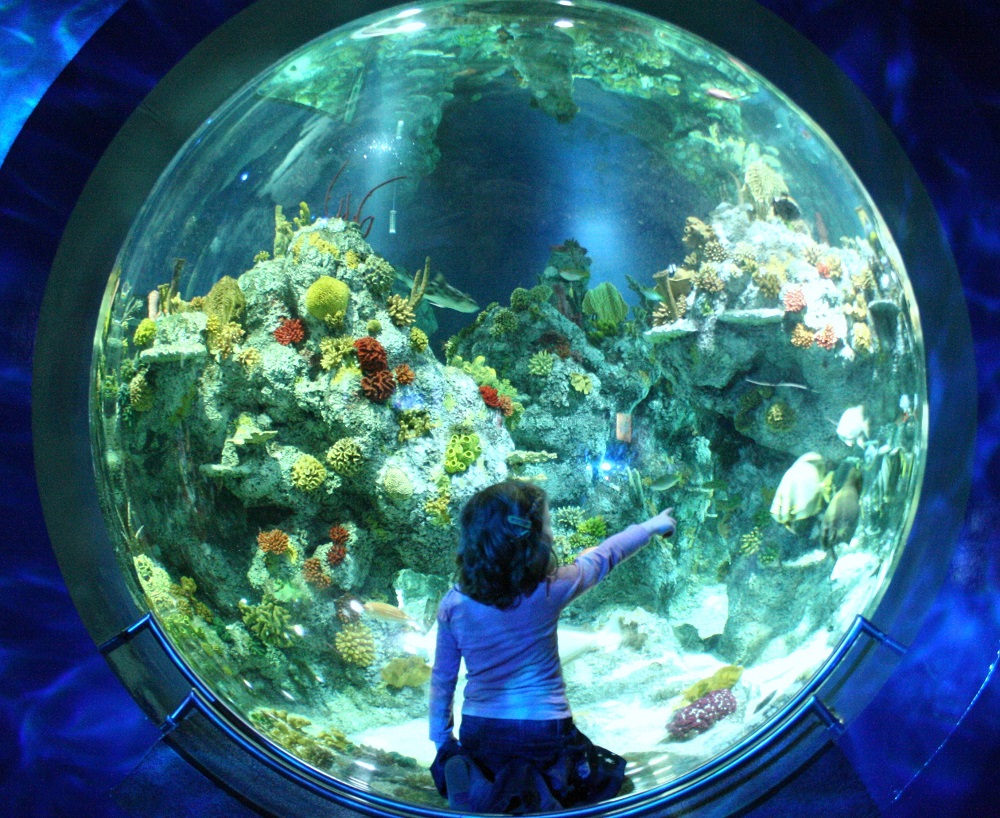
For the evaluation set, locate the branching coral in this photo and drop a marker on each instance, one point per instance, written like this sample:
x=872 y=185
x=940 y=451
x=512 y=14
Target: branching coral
x=413 y=423
x=308 y=473
x=250 y=358
x=327 y=297
x=802 y=337
x=490 y=396
x=336 y=554
x=371 y=355
x=312 y=571
x=339 y=535
x=140 y=394
x=826 y=337
x=288 y=731
x=780 y=417
x=462 y=452
x=378 y=275
x=581 y=382
x=345 y=456
x=404 y=374
x=707 y=279
x=400 y=312
x=268 y=621
x=290 y=331
x=750 y=542
x=273 y=542
x=437 y=509
x=333 y=350
x=540 y=364
x=505 y=322
x=795 y=300
x=356 y=645
x=222 y=338
x=862 y=337
x=145 y=333
x=418 y=340
x=378 y=386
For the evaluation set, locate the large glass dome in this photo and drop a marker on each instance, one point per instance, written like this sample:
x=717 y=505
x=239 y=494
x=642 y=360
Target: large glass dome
x=449 y=245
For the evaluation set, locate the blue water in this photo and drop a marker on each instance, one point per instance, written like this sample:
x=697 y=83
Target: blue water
x=69 y=732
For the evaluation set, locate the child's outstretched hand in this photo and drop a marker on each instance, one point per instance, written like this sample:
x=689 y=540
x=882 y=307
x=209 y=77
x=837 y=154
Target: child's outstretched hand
x=663 y=523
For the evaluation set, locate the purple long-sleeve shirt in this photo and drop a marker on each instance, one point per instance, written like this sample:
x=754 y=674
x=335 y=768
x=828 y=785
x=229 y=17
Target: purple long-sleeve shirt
x=512 y=656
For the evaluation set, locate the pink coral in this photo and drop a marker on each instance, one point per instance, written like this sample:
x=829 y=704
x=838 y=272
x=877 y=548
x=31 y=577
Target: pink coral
x=795 y=300
x=702 y=714
x=826 y=337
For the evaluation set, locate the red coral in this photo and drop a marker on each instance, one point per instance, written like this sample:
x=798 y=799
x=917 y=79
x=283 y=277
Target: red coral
x=826 y=337
x=336 y=555
x=291 y=331
x=371 y=355
x=405 y=375
x=378 y=385
x=795 y=300
x=339 y=535
x=312 y=570
x=273 y=542
x=505 y=405
x=823 y=269
x=490 y=396
x=698 y=717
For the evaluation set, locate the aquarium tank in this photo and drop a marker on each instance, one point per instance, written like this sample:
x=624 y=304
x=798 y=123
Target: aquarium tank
x=446 y=246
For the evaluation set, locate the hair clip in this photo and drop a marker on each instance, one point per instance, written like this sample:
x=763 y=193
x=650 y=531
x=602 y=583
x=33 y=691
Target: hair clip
x=519 y=522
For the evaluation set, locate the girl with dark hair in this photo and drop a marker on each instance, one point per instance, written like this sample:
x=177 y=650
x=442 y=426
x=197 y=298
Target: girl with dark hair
x=519 y=750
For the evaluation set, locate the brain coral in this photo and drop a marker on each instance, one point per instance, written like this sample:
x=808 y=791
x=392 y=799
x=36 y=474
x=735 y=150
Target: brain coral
x=371 y=354
x=327 y=297
x=308 y=473
x=356 y=645
x=378 y=386
x=397 y=484
x=345 y=456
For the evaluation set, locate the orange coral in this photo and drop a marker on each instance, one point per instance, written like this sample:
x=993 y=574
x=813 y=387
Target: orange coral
x=336 y=555
x=371 y=354
x=505 y=405
x=312 y=570
x=378 y=386
x=273 y=542
x=795 y=300
x=405 y=374
x=290 y=331
x=490 y=396
x=801 y=337
x=339 y=535
x=826 y=337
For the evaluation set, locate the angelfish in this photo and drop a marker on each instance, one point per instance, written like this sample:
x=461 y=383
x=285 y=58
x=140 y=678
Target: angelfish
x=802 y=490
x=853 y=426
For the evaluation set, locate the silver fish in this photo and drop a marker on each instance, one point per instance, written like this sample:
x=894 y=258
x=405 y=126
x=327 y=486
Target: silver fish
x=441 y=294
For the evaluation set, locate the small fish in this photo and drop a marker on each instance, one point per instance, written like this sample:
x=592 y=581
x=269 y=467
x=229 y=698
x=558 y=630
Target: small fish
x=573 y=275
x=764 y=702
x=714 y=485
x=853 y=426
x=384 y=612
x=721 y=93
x=841 y=517
x=649 y=293
x=668 y=481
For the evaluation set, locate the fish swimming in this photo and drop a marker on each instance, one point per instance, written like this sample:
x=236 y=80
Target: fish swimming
x=802 y=490
x=853 y=426
x=384 y=612
x=441 y=294
x=841 y=517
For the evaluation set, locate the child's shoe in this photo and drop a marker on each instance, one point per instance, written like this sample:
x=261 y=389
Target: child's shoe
x=456 y=775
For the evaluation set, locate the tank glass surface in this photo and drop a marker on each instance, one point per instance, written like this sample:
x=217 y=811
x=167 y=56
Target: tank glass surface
x=449 y=245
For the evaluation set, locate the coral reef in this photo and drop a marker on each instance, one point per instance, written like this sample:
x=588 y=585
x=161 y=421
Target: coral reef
x=273 y=542
x=327 y=298
x=406 y=671
x=356 y=645
x=378 y=386
x=308 y=473
x=290 y=331
x=372 y=356
x=345 y=457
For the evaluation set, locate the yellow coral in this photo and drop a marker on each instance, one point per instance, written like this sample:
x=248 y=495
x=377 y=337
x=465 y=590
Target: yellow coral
x=250 y=358
x=333 y=350
x=145 y=333
x=400 y=311
x=437 y=509
x=356 y=644
x=418 y=340
x=308 y=473
x=140 y=394
x=861 y=336
x=352 y=259
x=406 y=671
x=802 y=337
x=581 y=382
x=708 y=279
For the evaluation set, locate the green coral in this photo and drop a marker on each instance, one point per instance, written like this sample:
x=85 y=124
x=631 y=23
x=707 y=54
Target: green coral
x=327 y=298
x=378 y=275
x=780 y=416
x=397 y=484
x=568 y=516
x=413 y=423
x=605 y=304
x=540 y=364
x=225 y=300
x=406 y=671
x=505 y=322
x=462 y=452
x=333 y=350
x=345 y=456
x=596 y=527
x=304 y=219
x=140 y=394
x=283 y=232
x=268 y=621
x=521 y=300
x=308 y=473
x=374 y=327
x=145 y=333
x=581 y=382
x=418 y=340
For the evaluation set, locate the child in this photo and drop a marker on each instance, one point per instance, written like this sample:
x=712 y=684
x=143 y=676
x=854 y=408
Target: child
x=519 y=750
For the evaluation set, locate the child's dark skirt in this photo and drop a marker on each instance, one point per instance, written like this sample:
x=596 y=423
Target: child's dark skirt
x=522 y=766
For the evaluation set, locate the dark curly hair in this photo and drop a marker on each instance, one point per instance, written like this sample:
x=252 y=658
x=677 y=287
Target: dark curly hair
x=503 y=551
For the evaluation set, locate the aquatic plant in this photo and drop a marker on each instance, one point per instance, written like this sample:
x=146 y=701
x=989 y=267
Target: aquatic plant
x=404 y=374
x=802 y=337
x=418 y=340
x=290 y=331
x=378 y=386
x=356 y=644
x=308 y=473
x=540 y=364
x=345 y=457
x=505 y=322
x=313 y=573
x=861 y=337
x=581 y=382
x=397 y=484
x=268 y=621
x=327 y=298
x=371 y=354
x=701 y=715
x=140 y=394
x=605 y=304
x=406 y=671
x=273 y=542
x=225 y=299
x=145 y=333
x=697 y=233
x=333 y=350
x=462 y=452
x=413 y=423
x=826 y=337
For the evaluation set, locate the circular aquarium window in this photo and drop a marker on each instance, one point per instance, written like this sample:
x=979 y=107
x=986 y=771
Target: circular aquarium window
x=443 y=247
